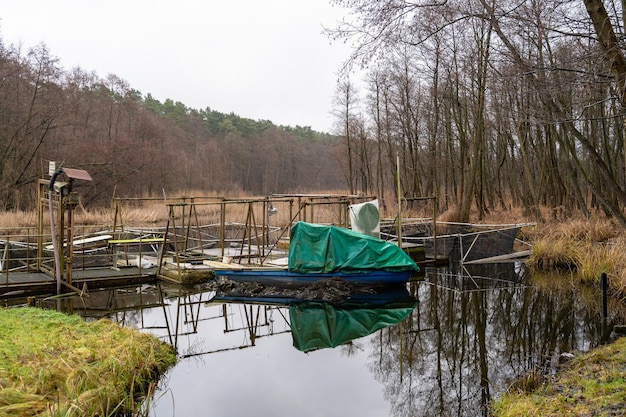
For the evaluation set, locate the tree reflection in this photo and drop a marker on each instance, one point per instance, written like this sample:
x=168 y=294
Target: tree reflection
x=470 y=337
x=472 y=333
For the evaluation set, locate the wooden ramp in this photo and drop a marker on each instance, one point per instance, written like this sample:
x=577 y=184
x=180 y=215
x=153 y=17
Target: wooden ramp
x=509 y=257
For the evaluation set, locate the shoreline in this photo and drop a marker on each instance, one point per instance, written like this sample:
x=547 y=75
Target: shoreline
x=591 y=384
x=56 y=364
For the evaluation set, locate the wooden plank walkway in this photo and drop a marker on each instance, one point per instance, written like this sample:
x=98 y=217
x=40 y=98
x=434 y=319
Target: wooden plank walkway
x=21 y=278
x=26 y=283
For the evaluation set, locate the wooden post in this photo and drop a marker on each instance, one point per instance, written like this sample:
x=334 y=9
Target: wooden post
x=70 y=238
x=41 y=195
x=302 y=209
x=198 y=230
x=222 y=226
x=265 y=237
x=290 y=217
x=61 y=235
x=435 y=228
x=604 y=284
x=175 y=234
x=6 y=258
x=399 y=201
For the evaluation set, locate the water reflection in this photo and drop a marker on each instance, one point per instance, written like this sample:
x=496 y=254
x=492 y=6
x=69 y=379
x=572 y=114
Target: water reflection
x=322 y=325
x=474 y=330
x=313 y=324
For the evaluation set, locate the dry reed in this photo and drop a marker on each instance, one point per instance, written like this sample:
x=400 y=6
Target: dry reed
x=587 y=248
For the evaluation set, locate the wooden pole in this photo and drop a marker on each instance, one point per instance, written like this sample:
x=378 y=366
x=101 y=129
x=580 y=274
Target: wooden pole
x=41 y=193
x=399 y=201
x=604 y=284
x=70 y=239
x=265 y=227
x=435 y=228
x=55 y=244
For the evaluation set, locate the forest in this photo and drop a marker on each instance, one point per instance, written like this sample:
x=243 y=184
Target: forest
x=486 y=105
x=133 y=145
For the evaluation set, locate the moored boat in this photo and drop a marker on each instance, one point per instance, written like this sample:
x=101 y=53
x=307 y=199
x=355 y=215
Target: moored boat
x=286 y=277
x=320 y=252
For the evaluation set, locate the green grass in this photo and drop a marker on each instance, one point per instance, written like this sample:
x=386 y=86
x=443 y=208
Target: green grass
x=53 y=364
x=593 y=384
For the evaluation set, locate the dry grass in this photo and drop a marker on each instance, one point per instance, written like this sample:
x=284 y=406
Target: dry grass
x=588 y=231
x=149 y=215
x=548 y=255
x=586 y=248
x=453 y=214
x=617 y=272
x=17 y=219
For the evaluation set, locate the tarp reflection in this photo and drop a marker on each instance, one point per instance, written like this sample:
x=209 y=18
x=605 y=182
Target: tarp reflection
x=322 y=325
x=319 y=324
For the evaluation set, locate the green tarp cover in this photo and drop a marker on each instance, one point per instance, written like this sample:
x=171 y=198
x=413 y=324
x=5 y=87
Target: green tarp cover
x=317 y=326
x=317 y=248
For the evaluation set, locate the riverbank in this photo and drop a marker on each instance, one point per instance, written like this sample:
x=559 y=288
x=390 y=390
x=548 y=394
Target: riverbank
x=55 y=364
x=583 y=249
x=593 y=384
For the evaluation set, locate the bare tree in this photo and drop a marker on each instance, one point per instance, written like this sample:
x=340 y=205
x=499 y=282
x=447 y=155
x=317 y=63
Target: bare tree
x=519 y=103
x=30 y=99
x=345 y=100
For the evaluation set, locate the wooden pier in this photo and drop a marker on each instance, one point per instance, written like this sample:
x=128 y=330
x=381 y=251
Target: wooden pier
x=35 y=283
x=199 y=236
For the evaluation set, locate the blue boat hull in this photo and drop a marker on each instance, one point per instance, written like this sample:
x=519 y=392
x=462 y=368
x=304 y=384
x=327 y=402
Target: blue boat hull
x=284 y=277
x=389 y=295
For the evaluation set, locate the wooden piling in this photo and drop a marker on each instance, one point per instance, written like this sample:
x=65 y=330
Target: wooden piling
x=604 y=285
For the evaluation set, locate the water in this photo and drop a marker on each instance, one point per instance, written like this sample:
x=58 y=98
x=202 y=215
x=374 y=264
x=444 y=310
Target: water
x=472 y=332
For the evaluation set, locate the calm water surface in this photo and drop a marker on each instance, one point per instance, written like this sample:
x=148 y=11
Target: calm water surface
x=471 y=332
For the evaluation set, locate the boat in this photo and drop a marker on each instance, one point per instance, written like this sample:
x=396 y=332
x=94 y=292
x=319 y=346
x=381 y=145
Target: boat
x=286 y=277
x=321 y=252
x=388 y=295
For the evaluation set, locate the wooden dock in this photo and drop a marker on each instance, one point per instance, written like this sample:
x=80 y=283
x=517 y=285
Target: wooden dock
x=34 y=283
x=200 y=236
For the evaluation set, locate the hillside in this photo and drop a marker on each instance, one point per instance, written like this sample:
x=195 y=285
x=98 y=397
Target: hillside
x=133 y=144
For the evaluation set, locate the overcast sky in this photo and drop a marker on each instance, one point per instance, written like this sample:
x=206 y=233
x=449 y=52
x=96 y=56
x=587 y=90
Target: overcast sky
x=259 y=59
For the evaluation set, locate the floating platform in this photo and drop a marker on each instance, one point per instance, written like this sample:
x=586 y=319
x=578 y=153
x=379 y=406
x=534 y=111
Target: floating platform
x=186 y=273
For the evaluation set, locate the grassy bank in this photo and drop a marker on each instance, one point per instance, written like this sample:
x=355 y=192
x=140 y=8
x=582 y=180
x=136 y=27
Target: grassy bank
x=52 y=364
x=583 y=249
x=593 y=384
